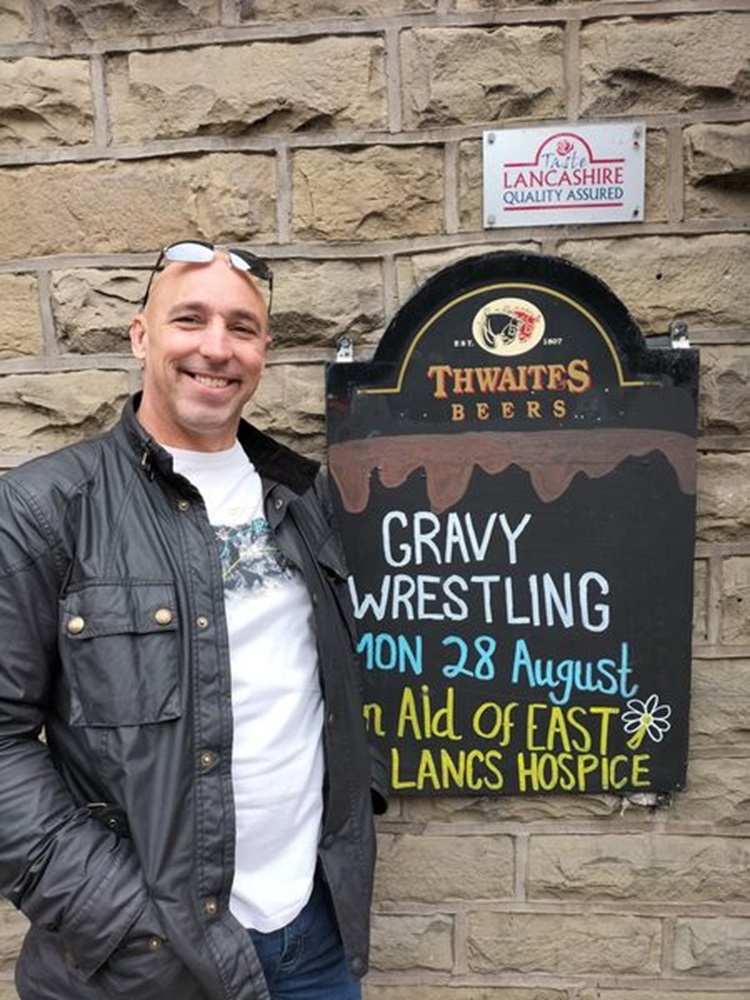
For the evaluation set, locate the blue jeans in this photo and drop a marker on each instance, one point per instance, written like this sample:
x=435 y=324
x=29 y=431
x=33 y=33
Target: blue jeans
x=305 y=960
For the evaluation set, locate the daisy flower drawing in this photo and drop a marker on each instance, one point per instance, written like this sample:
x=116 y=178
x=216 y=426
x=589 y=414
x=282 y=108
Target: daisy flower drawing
x=646 y=718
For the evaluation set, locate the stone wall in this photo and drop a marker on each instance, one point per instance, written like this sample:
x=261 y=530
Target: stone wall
x=342 y=140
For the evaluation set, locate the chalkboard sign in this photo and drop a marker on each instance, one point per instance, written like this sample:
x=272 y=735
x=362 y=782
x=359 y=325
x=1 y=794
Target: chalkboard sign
x=514 y=475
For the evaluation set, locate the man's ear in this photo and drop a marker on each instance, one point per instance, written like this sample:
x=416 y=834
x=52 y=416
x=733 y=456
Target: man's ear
x=138 y=337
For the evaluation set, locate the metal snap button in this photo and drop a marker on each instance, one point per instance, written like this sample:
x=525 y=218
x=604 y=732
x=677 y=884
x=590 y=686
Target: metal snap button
x=163 y=616
x=75 y=625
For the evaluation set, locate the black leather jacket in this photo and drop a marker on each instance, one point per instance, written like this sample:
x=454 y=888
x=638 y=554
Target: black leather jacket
x=117 y=833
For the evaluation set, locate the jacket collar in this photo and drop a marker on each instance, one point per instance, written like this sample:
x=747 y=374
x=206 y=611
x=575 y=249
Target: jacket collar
x=273 y=461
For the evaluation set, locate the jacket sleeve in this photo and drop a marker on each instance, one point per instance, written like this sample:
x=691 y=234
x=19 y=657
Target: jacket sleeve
x=379 y=782
x=63 y=868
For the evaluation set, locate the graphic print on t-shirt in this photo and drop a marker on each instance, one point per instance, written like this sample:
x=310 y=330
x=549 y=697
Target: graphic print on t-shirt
x=251 y=559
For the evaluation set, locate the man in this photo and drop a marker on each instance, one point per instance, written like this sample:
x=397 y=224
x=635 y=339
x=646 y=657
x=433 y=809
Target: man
x=197 y=821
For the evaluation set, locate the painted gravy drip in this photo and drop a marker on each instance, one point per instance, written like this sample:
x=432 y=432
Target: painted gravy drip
x=448 y=460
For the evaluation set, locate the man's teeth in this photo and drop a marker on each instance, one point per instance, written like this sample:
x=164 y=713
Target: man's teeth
x=212 y=381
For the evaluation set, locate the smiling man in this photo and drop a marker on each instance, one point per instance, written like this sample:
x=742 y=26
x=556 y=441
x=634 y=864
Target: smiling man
x=202 y=336
x=198 y=821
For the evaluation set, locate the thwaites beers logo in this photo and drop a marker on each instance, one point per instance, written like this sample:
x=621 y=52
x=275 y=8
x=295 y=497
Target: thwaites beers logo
x=515 y=367
x=547 y=176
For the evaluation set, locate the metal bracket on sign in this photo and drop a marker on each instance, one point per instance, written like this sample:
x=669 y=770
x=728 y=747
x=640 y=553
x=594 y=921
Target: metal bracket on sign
x=678 y=333
x=344 y=349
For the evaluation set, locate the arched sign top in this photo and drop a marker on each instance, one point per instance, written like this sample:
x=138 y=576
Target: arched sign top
x=516 y=342
x=521 y=326
x=558 y=277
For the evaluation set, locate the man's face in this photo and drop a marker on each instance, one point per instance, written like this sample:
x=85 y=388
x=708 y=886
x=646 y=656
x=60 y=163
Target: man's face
x=202 y=337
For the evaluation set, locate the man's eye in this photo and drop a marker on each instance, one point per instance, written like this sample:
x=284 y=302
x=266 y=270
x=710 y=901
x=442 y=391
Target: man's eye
x=246 y=331
x=187 y=319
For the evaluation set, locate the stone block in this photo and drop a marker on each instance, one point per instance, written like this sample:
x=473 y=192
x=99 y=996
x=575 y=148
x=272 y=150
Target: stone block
x=140 y=205
x=7 y=991
x=651 y=65
x=45 y=102
x=43 y=412
x=249 y=89
x=717 y=793
x=735 y=600
x=412 y=942
x=71 y=21
x=717 y=170
x=16 y=22
x=621 y=867
x=413 y=270
x=700 y=601
x=463 y=76
x=563 y=944
x=13 y=927
x=432 y=869
x=367 y=194
x=713 y=947
x=21 y=324
x=704 y=280
x=317 y=301
x=723 y=499
x=720 y=710
x=655 y=993
x=93 y=309
x=725 y=389
x=509 y=808
x=656 y=176
x=290 y=405
x=477 y=992
x=469 y=6
x=470 y=186
x=252 y=11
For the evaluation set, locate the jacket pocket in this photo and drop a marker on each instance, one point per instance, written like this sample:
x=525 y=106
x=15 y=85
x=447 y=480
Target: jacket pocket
x=119 y=649
x=144 y=966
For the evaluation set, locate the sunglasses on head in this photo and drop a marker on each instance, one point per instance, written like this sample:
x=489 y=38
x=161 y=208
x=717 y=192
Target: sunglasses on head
x=200 y=252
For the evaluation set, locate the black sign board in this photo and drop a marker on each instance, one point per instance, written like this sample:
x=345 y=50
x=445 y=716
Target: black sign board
x=514 y=475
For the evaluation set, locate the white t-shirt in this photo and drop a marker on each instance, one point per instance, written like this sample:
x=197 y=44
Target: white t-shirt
x=277 y=705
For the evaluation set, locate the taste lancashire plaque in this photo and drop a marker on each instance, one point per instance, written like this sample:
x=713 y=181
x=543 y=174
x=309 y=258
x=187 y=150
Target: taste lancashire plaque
x=514 y=476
